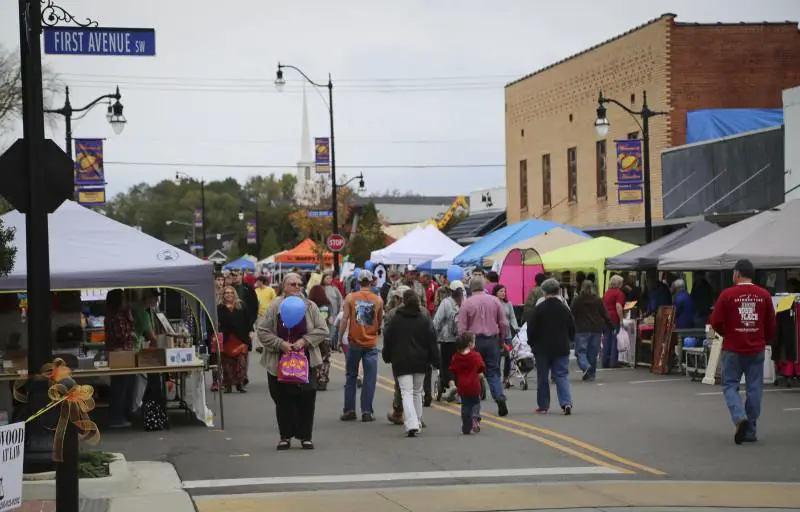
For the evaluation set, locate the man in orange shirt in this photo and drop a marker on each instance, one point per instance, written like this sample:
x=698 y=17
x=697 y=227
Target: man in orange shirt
x=362 y=316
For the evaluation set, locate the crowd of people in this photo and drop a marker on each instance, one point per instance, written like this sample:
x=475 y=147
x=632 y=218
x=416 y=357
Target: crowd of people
x=464 y=331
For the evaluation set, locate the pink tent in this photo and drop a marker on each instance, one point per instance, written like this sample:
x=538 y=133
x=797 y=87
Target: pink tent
x=518 y=276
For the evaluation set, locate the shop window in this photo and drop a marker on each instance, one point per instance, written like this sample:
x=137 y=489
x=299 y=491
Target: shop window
x=546 y=197
x=602 y=175
x=572 y=174
x=523 y=184
x=633 y=135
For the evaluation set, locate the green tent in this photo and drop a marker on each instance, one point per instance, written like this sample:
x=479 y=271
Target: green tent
x=589 y=256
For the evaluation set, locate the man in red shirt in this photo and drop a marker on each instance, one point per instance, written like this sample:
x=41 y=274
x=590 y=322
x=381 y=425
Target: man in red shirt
x=430 y=292
x=744 y=316
x=614 y=301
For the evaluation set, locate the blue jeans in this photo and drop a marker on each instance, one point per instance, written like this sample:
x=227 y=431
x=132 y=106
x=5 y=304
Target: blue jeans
x=368 y=358
x=733 y=367
x=470 y=409
x=587 y=346
x=489 y=349
x=560 y=368
x=610 y=350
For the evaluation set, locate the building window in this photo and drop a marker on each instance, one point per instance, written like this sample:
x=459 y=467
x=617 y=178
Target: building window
x=572 y=174
x=523 y=184
x=602 y=177
x=633 y=135
x=308 y=173
x=547 y=200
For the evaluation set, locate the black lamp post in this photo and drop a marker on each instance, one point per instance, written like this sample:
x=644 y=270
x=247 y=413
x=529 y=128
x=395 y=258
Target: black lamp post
x=279 y=84
x=258 y=231
x=602 y=125
x=114 y=114
x=179 y=177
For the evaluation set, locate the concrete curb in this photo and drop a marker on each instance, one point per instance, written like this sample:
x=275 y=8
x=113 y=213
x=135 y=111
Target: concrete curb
x=132 y=486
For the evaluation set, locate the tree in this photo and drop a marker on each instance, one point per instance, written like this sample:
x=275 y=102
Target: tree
x=8 y=253
x=369 y=237
x=317 y=197
x=234 y=253
x=11 y=88
x=269 y=244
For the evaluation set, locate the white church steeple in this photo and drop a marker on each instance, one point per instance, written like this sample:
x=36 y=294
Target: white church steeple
x=305 y=166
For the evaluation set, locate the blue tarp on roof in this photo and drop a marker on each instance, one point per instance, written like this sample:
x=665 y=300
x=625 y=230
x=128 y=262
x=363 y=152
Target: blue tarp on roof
x=712 y=124
x=506 y=237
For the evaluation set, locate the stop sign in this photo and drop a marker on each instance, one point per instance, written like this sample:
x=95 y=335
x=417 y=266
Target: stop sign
x=335 y=242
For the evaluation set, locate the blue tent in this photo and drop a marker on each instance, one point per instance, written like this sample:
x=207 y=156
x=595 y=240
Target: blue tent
x=240 y=264
x=506 y=237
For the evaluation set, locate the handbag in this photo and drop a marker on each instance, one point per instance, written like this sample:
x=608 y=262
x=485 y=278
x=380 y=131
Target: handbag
x=234 y=347
x=154 y=416
x=293 y=368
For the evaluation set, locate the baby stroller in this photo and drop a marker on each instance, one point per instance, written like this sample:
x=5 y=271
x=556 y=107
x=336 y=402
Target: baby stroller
x=522 y=357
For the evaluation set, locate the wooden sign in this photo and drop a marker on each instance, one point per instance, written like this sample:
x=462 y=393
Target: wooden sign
x=662 y=340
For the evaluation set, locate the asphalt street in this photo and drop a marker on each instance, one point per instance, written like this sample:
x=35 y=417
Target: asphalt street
x=628 y=425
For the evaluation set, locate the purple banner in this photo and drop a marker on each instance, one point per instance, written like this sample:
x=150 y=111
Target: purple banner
x=252 y=234
x=322 y=152
x=629 y=161
x=198 y=217
x=89 y=163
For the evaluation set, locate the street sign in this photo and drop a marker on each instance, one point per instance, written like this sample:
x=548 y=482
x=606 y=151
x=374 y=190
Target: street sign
x=131 y=42
x=335 y=243
x=316 y=214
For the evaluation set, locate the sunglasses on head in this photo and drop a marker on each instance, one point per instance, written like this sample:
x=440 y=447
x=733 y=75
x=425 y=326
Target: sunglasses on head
x=298 y=285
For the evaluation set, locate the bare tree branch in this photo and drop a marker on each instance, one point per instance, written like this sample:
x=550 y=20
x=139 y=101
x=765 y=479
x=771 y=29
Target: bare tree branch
x=11 y=89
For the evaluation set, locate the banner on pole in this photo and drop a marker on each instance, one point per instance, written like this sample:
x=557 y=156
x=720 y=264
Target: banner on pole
x=322 y=152
x=630 y=193
x=95 y=196
x=198 y=217
x=89 y=162
x=252 y=234
x=629 y=161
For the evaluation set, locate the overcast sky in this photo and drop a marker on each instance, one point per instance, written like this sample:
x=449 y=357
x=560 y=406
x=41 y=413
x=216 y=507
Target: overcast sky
x=416 y=83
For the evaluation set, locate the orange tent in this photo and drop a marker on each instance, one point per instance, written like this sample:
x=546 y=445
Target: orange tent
x=304 y=252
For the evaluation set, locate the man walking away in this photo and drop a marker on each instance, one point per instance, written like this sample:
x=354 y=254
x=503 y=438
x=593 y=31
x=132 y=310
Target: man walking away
x=745 y=318
x=550 y=331
x=484 y=316
x=362 y=317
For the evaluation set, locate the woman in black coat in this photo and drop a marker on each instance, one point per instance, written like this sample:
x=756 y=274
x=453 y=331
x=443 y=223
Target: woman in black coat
x=235 y=326
x=410 y=346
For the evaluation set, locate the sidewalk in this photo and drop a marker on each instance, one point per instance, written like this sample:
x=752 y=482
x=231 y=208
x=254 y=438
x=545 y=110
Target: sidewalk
x=132 y=487
x=589 y=496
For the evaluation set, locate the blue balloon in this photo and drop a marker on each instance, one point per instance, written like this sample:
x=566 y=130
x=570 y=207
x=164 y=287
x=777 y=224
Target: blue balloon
x=455 y=273
x=293 y=310
x=369 y=265
x=356 y=272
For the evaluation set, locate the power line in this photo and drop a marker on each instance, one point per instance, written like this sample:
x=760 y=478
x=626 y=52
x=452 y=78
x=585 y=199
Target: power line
x=293 y=141
x=273 y=166
x=195 y=79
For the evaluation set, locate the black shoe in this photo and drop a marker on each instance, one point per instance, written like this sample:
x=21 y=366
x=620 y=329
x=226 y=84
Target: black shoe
x=567 y=410
x=412 y=433
x=741 y=431
x=241 y=389
x=348 y=416
x=427 y=402
x=284 y=445
x=367 y=417
x=502 y=408
x=245 y=382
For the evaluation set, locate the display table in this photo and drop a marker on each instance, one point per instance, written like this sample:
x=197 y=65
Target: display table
x=695 y=362
x=191 y=385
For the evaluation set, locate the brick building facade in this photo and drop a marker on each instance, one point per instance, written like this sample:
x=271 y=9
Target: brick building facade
x=556 y=166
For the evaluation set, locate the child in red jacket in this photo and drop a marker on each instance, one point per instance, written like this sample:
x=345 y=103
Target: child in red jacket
x=468 y=367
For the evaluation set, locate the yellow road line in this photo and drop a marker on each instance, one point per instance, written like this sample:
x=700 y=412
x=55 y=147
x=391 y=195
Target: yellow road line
x=509 y=424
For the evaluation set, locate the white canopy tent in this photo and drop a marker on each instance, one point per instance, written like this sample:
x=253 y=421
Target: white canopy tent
x=89 y=250
x=419 y=246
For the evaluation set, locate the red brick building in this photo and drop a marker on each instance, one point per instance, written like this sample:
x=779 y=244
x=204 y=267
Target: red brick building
x=556 y=165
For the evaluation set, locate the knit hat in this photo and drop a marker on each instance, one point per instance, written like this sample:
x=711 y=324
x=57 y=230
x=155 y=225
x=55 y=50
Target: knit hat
x=551 y=286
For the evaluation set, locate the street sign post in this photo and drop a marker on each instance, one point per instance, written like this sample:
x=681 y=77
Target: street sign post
x=335 y=242
x=129 y=42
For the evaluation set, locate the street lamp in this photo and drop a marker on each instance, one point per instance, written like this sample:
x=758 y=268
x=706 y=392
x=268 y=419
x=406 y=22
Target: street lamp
x=360 y=179
x=187 y=224
x=280 y=82
x=113 y=114
x=602 y=125
x=179 y=178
